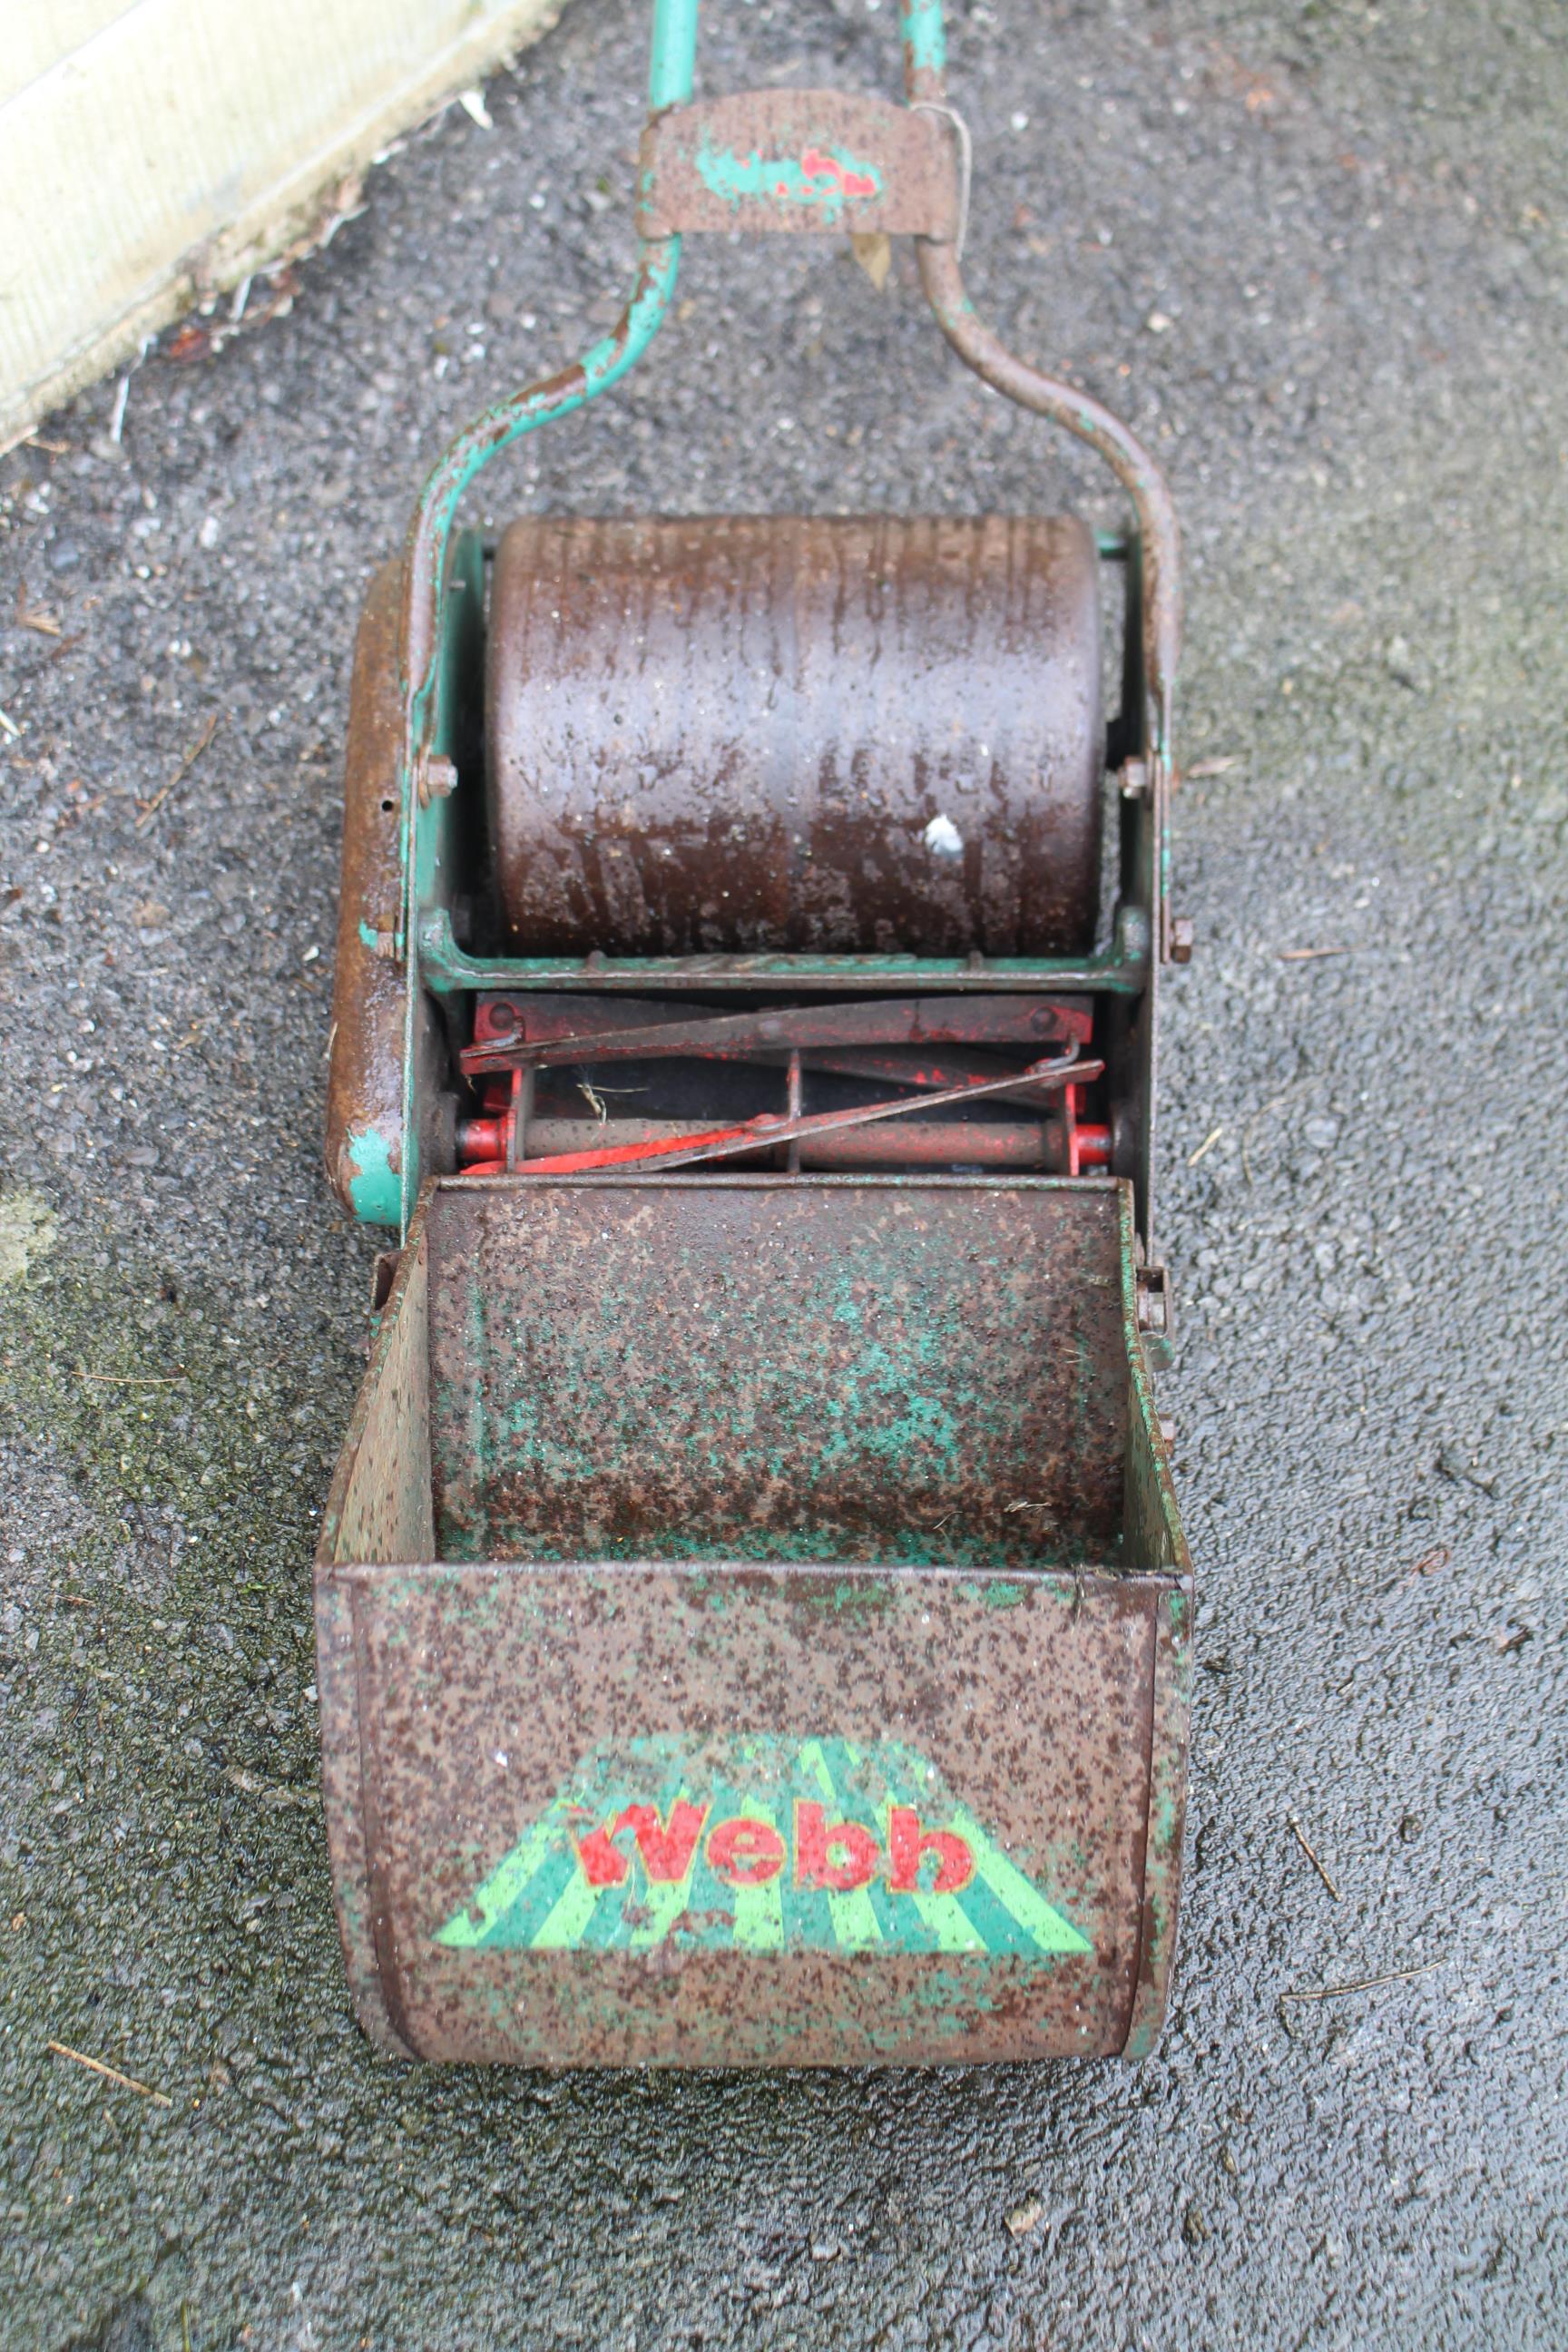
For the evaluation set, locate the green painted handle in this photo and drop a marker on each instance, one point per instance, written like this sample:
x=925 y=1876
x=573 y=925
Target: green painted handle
x=670 y=68
x=671 y=65
x=924 y=36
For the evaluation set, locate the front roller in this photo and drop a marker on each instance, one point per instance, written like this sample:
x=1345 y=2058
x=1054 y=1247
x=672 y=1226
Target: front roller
x=753 y=1618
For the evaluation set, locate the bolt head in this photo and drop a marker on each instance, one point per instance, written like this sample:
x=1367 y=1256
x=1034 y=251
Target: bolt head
x=438 y=779
x=1132 y=933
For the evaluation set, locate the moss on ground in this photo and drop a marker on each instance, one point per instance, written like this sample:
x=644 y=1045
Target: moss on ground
x=164 y=1886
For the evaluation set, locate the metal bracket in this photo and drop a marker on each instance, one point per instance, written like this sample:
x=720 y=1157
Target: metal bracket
x=811 y=162
x=1156 y=1308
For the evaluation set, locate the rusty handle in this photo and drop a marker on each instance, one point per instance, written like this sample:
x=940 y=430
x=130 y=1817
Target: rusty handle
x=1085 y=418
x=925 y=61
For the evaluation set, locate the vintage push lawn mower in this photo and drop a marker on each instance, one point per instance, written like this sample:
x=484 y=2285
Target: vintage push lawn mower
x=753 y=1618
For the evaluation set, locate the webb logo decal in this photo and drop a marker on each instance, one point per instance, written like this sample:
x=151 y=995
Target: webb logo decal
x=819 y=178
x=760 y=1844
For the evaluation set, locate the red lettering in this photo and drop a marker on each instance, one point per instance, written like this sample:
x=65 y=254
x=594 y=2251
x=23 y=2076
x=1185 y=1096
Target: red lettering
x=818 y=166
x=665 y=1852
x=816 y=1841
x=907 y=1844
x=745 y=1852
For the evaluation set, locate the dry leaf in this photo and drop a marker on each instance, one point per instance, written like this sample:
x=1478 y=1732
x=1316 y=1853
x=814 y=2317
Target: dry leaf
x=874 y=252
x=34 y=616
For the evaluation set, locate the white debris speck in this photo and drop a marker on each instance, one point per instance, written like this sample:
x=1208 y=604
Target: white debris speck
x=501 y=1757
x=942 y=839
x=472 y=102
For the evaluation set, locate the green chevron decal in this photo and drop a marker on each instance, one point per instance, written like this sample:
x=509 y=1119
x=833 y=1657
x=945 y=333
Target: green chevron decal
x=761 y=1844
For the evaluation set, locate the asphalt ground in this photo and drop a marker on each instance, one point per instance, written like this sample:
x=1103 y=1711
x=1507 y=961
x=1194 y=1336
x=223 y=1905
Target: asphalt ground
x=1316 y=253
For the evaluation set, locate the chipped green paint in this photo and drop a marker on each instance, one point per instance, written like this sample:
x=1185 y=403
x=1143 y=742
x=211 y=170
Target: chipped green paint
x=839 y=1412
x=761 y=1843
x=429 y=703
x=673 y=55
x=864 y=1417
x=924 y=36
x=375 y=1185
x=613 y=356
x=823 y=180
x=845 y=1598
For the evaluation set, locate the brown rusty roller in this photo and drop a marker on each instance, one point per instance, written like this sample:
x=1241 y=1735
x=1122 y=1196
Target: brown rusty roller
x=735 y=734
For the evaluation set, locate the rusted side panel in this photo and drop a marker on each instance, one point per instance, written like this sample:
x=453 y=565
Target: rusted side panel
x=527 y=1732
x=812 y=161
x=379 y=1509
x=342 y=1796
x=847 y=1369
x=380 y=1503
x=1152 y=1537
x=741 y=734
x=365 y=1080
x=1152 y=1529
x=1166 y=1822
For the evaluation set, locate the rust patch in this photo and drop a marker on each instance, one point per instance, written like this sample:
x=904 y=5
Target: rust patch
x=365 y=1078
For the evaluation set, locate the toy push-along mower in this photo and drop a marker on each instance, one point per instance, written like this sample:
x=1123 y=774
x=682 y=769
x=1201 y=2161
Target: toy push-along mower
x=752 y=1614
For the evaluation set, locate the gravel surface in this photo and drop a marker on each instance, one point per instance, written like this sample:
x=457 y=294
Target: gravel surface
x=1316 y=251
